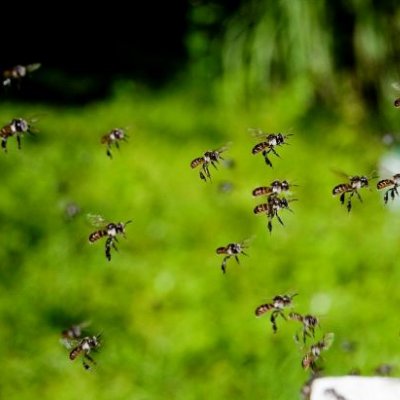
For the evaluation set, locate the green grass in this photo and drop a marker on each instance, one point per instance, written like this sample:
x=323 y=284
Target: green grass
x=173 y=325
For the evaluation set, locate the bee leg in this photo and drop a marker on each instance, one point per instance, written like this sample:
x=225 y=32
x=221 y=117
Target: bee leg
x=358 y=195
x=237 y=259
x=386 y=197
x=109 y=152
x=273 y=150
x=245 y=254
x=273 y=322
x=267 y=160
x=117 y=145
x=214 y=164
x=206 y=170
x=19 y=141
x=109 y=243
x=392 y=194
x=202 y=177
x=223 y=265
x=342 y=198
x=85 y=364
x=269 y=225
x=4 y=144
x=279 y=219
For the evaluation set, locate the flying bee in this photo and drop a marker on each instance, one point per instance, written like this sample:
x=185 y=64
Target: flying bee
x=309 y=324
x=82 y=347
x=17 y=73
x=393 y=183
x=352 y=187
x=109 y=229
x=275 y=188
x=232 y=250
x=113 y=138
x=17 y=127
x=310 y=358
x=209 y=157
x=278 y=304
x=270 y=141
x=272 y=207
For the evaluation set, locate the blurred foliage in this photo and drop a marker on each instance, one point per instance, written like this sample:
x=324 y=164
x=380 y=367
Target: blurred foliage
x=172 y=325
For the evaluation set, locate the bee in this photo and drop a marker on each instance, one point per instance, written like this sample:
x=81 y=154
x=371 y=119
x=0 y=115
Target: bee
x=209 y=157
x=309 y=324
x=109 y=229
x=310 y=358
x=82 y=347
x=113 y=137
x=18 y=72
x=17 y=127
x=275 y=188
x=270 y=141
x=393 y=183
x=278 y=304
x=352 y=187
x=272 y=207
x=231 y=250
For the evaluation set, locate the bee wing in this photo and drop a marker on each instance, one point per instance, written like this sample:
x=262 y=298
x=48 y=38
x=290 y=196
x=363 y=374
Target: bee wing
x=257 y=133
x=224 y=148
x=69 y=343
x=96 y=220
x=328 y=340
x=340 y=173
x=33 y=67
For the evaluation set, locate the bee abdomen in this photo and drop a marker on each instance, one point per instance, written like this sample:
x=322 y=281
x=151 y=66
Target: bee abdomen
x=97 y=235
x=262 y=190
x=221 y=250
x=261 y=208
x=105 y=139
x=260 y=147
x=343 y=187
x=384 y=183
x=74 y=353
x=295 y=316
x=260 y=310
x=196 y=162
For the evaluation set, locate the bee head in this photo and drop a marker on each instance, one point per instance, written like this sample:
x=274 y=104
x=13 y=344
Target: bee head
x=19 y=71
x=20 y=125
x=364 y=181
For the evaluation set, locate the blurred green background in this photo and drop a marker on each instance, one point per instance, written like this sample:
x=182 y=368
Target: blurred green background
x=173 y=326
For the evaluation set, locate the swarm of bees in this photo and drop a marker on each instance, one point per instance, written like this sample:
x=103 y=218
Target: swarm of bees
x=232 y=250
x=114 y=137
x=269 y=143
x=78 y=345
x=209 y=157
x=17 y=127
x=274 y=202
x=17 y=73
x=109 y=229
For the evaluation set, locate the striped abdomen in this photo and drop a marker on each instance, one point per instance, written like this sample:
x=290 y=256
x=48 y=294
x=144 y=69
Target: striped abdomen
x=222 y=250
x=262 y=190
x=196 y=162
x=75 y=352
x=265 y=207
x=342 y=188
x=97 y=235
x=260 y=310
x=384 y=183
x=260 y=147
x=296 y=316
x=7 y=131
x=106 y=139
